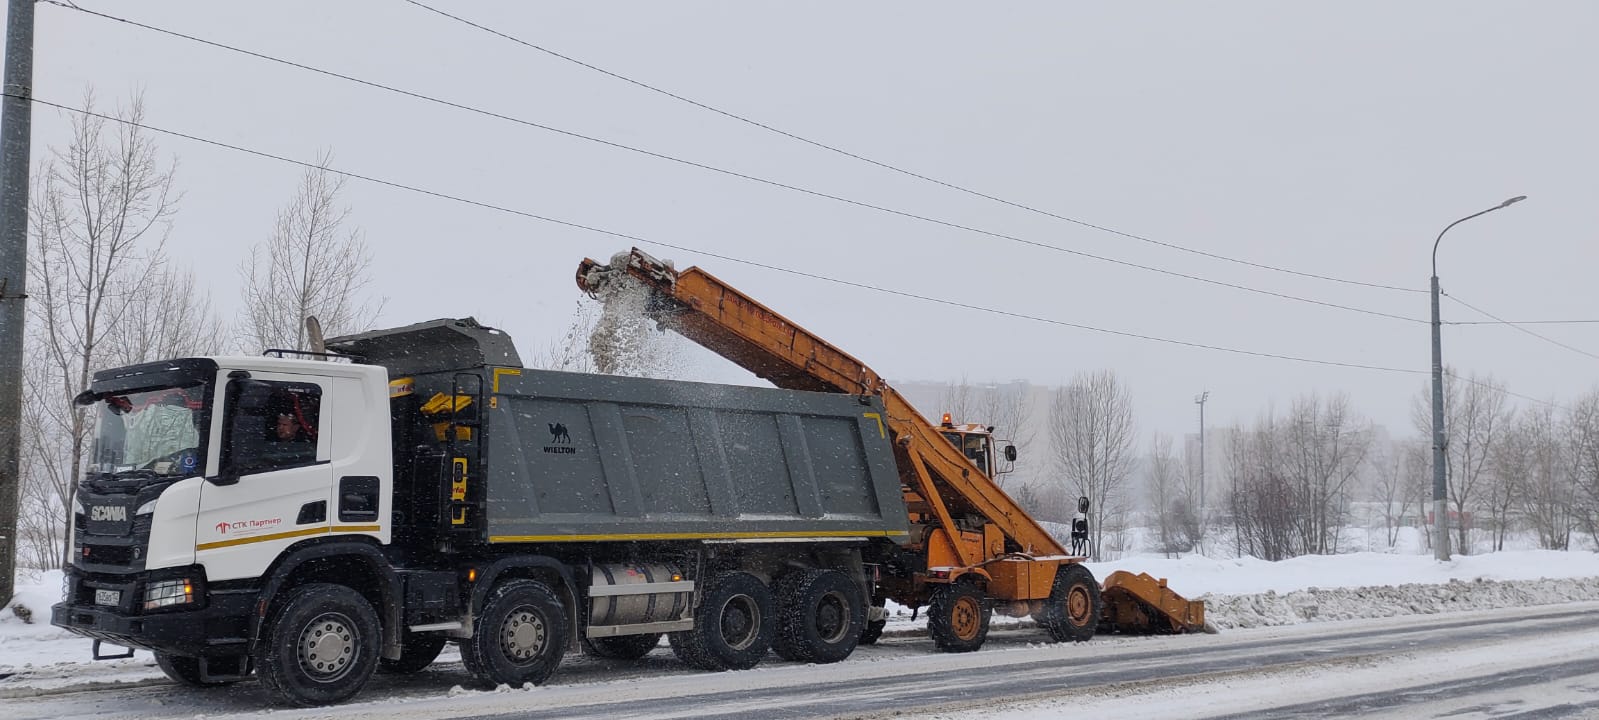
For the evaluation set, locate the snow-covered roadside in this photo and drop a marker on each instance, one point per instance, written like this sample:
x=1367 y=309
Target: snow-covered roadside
x=1239 y=593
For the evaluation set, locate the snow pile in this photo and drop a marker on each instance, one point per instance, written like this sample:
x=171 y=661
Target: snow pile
x=1321 y=604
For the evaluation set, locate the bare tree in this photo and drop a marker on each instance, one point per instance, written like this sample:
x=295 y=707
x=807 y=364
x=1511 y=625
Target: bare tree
x=1398 y=486
x=1166 y=500
x=172 y=316
x=1475 y=413
x=1582 y=443
x=310 y=266
x=1091 y=425
x=1326 y=446
x=99 y=216
x=569 y=351
x=958 y=402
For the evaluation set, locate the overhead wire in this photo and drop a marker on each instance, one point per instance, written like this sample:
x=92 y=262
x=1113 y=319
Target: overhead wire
x=727 y=172
x=1518 y=327
x=707 y=253
x=895 y=168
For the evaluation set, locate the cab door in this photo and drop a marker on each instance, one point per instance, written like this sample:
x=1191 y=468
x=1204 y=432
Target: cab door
x=272 y=479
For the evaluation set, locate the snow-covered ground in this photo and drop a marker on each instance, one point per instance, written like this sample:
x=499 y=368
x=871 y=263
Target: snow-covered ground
x=1239 y=593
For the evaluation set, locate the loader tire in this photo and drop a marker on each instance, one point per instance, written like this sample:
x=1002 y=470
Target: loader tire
x=519 y=637
x=733 y=625
x=186 y=671
x=1073 y=610
x=416 y=653
x=820 y=616
x=320 y=645
x=957 y=617
x=622 y=647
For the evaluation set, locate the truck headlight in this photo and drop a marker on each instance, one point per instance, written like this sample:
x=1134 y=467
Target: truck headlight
x=146 y=508
x=168 y=593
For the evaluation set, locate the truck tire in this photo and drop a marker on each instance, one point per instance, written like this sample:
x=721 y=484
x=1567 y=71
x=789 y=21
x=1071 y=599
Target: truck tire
x=520 y=635
x=186 y=671
x=320 y=646
x=622 y=647
x=957 y=617
x=416 y=653
x=874 y=628
x=733 y=625
x=820 y=616
x=1072 y=612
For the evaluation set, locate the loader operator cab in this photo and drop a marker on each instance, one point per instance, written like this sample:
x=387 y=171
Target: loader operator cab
x=976 y=442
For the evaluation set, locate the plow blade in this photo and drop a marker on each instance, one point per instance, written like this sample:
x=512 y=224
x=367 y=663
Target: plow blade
x=1143 y=604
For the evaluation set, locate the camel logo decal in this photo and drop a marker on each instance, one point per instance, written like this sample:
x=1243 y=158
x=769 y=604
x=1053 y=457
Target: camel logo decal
x=559 y=435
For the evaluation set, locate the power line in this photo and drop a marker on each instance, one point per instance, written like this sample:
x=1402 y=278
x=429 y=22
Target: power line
x=1520 y=322
x=1501 y=388
x=895 y=168
x=731 y=173
x=1518 y=327
x=706 y=253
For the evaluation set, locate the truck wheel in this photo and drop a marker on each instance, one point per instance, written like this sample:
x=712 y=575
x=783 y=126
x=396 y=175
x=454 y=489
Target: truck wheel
x=874 y=628
x=186 y=671
x=1072 y=612
x=520 y=635
x=957 y=617
x=321 y=645
x=820 y=616
x=733 y=625
x=622 y=647
x=416 y=653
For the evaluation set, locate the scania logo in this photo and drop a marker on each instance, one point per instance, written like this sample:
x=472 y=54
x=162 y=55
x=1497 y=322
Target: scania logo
x=108 y=512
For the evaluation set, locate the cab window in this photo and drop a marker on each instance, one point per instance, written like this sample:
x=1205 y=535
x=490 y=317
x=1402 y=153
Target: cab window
x=270 y=425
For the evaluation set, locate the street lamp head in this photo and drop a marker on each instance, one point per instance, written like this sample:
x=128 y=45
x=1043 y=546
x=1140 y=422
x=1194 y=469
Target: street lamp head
x=1512 y=201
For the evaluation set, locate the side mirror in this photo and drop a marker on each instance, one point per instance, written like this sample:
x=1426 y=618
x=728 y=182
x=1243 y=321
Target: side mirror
x=1082 y=505
x=1010 y=453
x=84 y=399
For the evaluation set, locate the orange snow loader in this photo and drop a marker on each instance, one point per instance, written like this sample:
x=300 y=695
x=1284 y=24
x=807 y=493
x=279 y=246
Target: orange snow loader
x=972 y=549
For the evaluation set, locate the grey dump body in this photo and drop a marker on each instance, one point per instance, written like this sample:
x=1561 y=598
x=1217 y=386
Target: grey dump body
x=571 y=457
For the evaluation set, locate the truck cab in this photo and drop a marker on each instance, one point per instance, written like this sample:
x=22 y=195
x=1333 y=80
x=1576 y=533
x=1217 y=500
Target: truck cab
x=202 y=472
x=976 y=442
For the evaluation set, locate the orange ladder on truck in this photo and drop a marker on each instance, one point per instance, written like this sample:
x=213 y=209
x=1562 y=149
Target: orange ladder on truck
x=969 y=525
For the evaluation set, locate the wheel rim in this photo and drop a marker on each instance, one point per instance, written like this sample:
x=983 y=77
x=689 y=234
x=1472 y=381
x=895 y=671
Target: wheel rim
x=966 y=618
x=832 y=617
x=523 y=635
x=327 y=648
x=1079 y=608
x=740 y=622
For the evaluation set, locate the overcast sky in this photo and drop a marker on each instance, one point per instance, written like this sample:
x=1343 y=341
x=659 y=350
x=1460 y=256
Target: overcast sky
x=1334 y=138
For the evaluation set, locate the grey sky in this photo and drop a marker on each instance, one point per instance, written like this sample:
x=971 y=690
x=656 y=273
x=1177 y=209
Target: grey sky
x=1335 y=137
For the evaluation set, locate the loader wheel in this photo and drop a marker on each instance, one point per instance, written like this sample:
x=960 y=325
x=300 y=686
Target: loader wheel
x=957 y=617
x=186 y=671
x=874 y=628
x=622 y=647
x=416 y=653
x=733 y=626
x=820 y=616
x=1072 y=612
x=519 y=637
x=320 y=646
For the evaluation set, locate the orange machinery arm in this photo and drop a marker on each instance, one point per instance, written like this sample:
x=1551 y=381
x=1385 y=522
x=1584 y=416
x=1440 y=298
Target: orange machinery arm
x=946 y=487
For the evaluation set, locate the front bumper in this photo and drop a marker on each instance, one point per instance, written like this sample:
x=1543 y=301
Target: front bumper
x=218 y=625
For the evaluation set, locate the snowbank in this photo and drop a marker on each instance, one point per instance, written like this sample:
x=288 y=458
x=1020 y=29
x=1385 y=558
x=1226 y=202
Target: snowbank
x=1240 y=593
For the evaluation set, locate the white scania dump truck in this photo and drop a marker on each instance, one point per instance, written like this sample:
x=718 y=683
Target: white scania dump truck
x=312 y=520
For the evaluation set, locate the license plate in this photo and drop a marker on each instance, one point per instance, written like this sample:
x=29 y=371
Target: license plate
x=107 y=597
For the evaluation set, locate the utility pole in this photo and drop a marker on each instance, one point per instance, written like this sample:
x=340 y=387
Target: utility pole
x=1200 y=401
x=1440 y=480
x=16 y=119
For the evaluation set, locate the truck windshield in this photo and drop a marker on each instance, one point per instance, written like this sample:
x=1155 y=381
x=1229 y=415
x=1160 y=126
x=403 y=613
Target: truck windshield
x=155 y=431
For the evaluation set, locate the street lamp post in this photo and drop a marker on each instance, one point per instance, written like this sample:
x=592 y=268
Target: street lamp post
x=1440 y=482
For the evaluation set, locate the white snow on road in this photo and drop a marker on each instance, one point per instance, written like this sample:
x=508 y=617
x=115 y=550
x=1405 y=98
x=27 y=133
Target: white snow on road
x=1240 y=593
